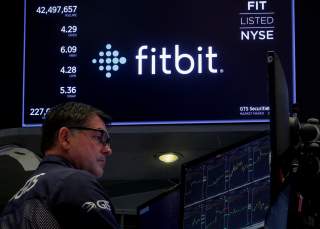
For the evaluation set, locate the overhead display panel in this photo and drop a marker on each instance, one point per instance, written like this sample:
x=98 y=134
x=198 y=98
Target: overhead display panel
x=155 y=62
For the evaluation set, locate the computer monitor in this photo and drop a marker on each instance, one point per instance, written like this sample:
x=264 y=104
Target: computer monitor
x=279 y=103
x=161 y=212
x=280 y=140
x=229 y=188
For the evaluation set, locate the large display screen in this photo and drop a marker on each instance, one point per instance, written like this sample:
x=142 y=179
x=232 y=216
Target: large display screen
x=155 y=62
x=230 y=189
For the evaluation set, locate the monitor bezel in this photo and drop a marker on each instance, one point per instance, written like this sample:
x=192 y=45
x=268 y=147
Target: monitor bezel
x=176 y=188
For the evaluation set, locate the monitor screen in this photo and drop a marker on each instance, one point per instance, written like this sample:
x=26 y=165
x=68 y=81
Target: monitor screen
x=229 y=188
x=155 y=62
x=161 y=212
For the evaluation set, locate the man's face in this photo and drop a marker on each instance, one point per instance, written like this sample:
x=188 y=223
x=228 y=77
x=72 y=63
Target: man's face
x=86 y=151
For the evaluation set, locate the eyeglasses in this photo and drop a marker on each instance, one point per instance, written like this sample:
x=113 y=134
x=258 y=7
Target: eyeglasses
x=104 y=137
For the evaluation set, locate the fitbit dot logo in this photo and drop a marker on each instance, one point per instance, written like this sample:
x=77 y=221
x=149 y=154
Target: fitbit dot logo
x=109 y=60
x=162 y=61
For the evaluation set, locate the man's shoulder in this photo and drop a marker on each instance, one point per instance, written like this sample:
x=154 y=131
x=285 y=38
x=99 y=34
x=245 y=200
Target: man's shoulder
x=57 y=168
x=77 y=176
x=67 y=177
x=67 y=184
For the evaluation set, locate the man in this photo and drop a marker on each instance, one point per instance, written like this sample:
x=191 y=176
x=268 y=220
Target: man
x=64 y=192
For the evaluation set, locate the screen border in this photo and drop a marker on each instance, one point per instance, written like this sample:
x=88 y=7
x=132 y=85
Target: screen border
x=175 y=188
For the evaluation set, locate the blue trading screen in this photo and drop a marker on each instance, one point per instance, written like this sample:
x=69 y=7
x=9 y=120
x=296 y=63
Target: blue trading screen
x=155 y=62
x=230 y=190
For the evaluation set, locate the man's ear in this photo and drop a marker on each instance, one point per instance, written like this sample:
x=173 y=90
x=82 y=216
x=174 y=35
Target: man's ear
x=64 y=137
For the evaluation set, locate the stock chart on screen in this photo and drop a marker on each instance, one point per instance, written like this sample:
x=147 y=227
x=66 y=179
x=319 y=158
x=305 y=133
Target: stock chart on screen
x=229 y=188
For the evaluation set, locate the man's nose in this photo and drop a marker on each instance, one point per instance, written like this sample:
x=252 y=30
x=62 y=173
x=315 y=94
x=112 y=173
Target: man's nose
x=107 y=151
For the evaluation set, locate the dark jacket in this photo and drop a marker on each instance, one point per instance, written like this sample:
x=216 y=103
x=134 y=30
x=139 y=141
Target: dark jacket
x=59 y=195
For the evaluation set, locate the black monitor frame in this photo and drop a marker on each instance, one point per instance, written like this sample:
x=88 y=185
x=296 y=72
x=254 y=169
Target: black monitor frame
x=279 y=119
x=279 y=102
x=162 y=195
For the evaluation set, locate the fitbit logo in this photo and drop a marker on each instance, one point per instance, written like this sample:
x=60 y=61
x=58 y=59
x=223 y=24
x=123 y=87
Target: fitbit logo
x=151 y=60
x=109 y=60
x=190 y=64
